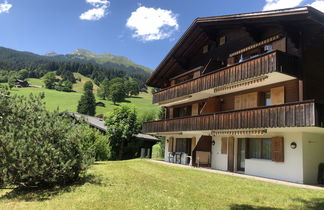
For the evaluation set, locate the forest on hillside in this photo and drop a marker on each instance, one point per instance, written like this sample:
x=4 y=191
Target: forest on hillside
x=37 y=66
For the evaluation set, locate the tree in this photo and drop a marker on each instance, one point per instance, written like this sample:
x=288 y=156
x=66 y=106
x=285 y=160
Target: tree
x=68 y=76
x=162 y=113
x=103 y=91
x=132 y=87
x=65 y=86
x=117 y=92
x=22 y=74
x=87 y=103
x=121 y=125
x=37 y=147
x=11 y=82
x=49 y=80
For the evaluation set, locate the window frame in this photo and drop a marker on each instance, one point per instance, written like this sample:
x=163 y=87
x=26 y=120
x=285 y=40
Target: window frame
x=261 y=149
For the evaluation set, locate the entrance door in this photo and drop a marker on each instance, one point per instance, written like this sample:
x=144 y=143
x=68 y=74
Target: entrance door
x=241 y=154
x=230 y=164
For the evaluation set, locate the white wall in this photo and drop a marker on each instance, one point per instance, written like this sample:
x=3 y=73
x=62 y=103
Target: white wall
x=218 y=160
x=313 y=147
x=292 y=167
x=290 y=170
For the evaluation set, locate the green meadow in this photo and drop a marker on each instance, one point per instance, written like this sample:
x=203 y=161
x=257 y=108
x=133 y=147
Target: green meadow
x=68 y=101
x=142 y=184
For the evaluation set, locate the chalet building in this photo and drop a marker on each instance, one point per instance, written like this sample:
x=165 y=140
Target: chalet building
x=244 y=93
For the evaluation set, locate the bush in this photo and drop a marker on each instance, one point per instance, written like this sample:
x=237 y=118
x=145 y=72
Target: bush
x=102 y=148
x=121 y=125
x=37 y=147
x=99 y=143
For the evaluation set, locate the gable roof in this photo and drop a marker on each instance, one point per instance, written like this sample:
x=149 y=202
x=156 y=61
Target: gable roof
x=99 y=124
x=290 y=14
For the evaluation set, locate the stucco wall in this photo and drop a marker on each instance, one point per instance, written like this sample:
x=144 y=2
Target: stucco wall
x=290 y=170
x=313 y=147
x=219 y=161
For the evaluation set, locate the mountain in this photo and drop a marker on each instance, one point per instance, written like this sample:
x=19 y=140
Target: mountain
x=51 y=54
x=104 y=59
x=83 y=61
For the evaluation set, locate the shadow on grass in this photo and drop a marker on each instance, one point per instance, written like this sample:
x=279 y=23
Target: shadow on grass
x=139 y=97
x=43 y=194
x=250 y=207
x=315 y=203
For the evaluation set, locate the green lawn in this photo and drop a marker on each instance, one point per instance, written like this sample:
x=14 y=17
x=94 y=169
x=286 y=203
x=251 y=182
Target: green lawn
x=141 y=184
x=69 y=101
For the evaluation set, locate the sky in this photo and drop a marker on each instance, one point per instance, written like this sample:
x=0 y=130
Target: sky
x=142 y=30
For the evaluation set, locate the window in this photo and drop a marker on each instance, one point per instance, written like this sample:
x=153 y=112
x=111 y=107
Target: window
x=183 y=145
x=205 y=49
x=260 y=149
x=267 y=99
x=183 y=111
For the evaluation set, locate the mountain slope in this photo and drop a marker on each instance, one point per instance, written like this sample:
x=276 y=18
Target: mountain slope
x=104 y=59
x=14 y=60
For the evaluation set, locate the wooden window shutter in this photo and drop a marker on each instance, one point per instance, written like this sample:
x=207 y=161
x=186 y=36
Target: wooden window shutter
x=170 y=149
x=253 y=100
x=224 y=146
x=171 y=113
x=195 y=109
x=278 y=149
x=196 y=74
x=278 y=95
x=193 y=144
x=238 y=102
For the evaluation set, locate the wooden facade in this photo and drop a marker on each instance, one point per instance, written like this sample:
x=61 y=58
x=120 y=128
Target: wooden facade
x=242 y=83
x=275 y=61
x=298 y=114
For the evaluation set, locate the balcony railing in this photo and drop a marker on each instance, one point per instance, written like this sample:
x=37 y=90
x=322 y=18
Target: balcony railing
x=298 y=114
x=275 y=61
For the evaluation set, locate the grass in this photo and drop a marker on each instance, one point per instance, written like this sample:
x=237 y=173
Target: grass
x=69 y=101
x=141 y=184
x=78 y=86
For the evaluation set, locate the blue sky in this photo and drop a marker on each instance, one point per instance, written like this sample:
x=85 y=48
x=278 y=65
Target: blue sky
x=143 y=31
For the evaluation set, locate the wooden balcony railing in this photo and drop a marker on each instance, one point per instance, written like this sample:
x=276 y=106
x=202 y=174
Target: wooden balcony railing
x=275 y=61
x=298 y=114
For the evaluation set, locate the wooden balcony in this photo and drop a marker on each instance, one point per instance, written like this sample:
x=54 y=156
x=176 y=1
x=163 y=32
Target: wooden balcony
x=275 y=61
x=298 y=114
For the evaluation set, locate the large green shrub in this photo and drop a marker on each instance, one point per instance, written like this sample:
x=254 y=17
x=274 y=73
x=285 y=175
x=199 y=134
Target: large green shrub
x=37 y=147
x=121 y=125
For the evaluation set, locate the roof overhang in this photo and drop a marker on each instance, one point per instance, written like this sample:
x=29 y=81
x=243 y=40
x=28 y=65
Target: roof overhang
x=290 y=14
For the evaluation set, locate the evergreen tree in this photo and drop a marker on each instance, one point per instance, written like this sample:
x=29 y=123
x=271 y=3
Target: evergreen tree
x=87 y=103
x=37 y=147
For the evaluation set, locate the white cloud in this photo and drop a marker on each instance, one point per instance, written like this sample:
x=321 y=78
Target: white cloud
x=151 y=24
x=280 y=4
x=318 y=5
x=5 y=7
x=99 y=11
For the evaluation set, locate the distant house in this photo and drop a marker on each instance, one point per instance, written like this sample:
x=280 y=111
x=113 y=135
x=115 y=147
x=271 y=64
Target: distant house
x=244 y=93
x=144 y=142
x=20 y=83
x=101 y=104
